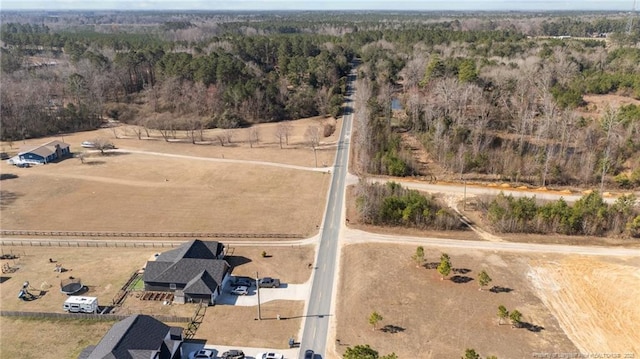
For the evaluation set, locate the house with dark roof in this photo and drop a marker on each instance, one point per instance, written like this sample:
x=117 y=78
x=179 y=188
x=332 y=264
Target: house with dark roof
x=48 y=152
x=195 y=271
x=137 y=336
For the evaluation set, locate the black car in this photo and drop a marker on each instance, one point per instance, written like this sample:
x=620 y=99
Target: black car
x=243 y=282
x=233 y=354
x=308 y=354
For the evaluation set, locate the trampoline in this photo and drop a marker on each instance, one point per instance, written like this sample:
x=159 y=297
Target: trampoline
x=71 y=285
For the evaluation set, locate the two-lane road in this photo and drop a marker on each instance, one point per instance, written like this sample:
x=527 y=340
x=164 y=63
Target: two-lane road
x=318 y=315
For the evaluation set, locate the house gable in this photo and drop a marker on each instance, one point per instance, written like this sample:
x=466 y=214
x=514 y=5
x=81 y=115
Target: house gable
x=137 y=336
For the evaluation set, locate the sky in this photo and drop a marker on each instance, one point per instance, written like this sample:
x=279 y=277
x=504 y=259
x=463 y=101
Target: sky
x=425 y=5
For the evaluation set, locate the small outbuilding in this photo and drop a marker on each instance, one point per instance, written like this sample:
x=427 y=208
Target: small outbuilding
x=48 y=152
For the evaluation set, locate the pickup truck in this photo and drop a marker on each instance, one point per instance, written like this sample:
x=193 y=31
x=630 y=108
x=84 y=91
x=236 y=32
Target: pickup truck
x=268 y=282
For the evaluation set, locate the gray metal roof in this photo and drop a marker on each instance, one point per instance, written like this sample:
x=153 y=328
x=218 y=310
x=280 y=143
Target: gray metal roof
x=46 y=149
x=136 y=337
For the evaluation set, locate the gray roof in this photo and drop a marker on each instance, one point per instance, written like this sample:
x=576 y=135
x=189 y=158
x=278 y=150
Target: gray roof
x=136 y=337
x=46 y=149
x=193 y=265
x=203 y=283
x=193 y=249
x=195 y=274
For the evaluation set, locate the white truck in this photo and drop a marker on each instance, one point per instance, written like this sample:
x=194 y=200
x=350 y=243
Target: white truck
x=78 y=304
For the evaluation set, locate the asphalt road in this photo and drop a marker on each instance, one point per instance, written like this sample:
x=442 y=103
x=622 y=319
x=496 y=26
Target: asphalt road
x=318 y=315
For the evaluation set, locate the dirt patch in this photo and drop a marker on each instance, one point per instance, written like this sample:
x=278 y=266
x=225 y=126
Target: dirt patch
x=436 y=318
x=595 y=104
x=598 y=295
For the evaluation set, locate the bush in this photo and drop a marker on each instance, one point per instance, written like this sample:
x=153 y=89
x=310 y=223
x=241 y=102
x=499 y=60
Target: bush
x=328 y=129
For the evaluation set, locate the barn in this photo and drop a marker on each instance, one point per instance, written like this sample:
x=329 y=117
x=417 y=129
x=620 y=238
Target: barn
x=48 y=152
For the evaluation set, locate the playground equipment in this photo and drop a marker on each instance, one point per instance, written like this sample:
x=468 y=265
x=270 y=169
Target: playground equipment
x=24 y=293
x=71 y=285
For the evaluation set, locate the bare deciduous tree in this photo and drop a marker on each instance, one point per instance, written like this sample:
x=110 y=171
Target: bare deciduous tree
x=254 y=135
x=312 y=134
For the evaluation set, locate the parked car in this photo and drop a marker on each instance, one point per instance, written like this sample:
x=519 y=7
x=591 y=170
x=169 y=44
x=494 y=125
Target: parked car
x=4 y=156
x=202 y=354
x=23 y=164
x=308 y=354
x=269 y=356
x=88 y=144
x=243 y=281
x=268 y=282
x=241 y=290
x=233 y=354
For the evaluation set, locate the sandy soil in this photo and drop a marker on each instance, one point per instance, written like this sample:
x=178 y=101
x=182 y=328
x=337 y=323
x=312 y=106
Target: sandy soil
x=595 y=301
x=436 y=318
x=91 y=264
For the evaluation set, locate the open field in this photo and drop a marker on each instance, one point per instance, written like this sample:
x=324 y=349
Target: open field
x=105 y=270
x=599 y=295
x=440 y=319
x=155 y=193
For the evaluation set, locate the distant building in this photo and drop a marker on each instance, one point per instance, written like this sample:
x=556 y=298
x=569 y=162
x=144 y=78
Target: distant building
x=137 y=336
x=48 y=152
x=195 y=272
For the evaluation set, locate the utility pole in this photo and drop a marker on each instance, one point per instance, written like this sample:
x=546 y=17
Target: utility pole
x=258 y=291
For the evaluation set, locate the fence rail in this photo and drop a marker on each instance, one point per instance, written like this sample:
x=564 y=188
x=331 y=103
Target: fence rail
x=162 y=318
x=9 y=232
x=88 y=243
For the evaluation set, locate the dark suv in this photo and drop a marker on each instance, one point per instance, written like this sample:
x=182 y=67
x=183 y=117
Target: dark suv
x=308 y=354
x=233 y=354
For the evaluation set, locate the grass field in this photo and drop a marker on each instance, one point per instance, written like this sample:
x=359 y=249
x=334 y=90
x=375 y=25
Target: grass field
x=440 y=319
x=155 y=193
x=105 y=270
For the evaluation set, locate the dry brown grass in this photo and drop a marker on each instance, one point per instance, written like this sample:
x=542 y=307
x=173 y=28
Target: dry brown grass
x=440 y=319
x=136 y=192
x=237 y=326
x=105 y=271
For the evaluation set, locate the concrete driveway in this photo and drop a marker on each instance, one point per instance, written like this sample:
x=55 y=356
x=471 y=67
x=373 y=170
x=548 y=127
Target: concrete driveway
x=250 y=352
x=284 y=292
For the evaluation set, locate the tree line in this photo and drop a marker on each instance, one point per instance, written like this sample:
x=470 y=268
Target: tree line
x=391 y=204
x=590 y=216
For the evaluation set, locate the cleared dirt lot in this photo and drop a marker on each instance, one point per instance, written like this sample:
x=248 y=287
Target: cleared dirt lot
x=105 y=270
x=599 y=295
x=440 y=319
x=138 y=192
